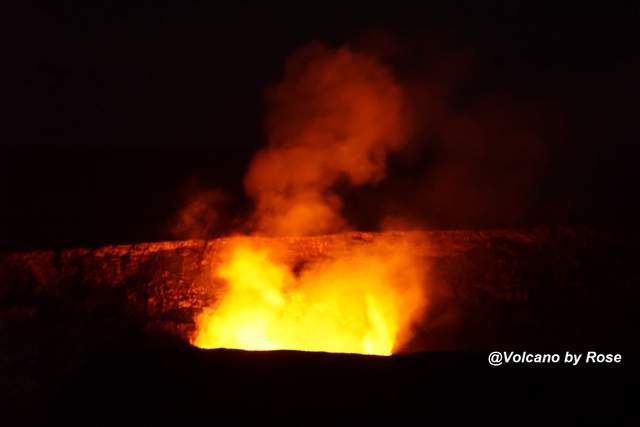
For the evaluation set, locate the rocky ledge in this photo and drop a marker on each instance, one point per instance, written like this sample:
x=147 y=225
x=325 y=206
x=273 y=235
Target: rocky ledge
x=491 y=287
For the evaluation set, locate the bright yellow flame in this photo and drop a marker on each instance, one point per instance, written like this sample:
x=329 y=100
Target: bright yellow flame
x=363 y=302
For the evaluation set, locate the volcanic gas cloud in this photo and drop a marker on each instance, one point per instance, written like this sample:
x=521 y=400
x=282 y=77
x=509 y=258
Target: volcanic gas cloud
x=333 y=120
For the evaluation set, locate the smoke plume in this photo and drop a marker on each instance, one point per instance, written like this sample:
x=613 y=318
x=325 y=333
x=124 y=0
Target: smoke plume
x=333 y=119
x=200 y=215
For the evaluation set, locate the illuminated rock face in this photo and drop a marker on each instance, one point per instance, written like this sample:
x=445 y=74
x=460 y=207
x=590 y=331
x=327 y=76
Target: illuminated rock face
x=487 y=286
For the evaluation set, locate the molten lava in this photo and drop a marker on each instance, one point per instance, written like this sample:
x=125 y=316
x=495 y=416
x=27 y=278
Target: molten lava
x=361 y=302
x=334 y=119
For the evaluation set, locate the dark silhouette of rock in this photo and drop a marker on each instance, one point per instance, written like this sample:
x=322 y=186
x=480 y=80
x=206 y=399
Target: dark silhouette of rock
x=487 y=286
x=81 y=326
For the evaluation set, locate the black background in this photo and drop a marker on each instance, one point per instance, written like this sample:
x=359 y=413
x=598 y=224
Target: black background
x=110 y=110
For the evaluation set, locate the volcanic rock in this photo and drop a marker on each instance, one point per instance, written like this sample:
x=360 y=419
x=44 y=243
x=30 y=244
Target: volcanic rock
x=488 y=287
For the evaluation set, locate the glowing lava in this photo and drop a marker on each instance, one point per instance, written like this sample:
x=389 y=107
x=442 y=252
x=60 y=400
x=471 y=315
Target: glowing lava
x=334 y=119
x=362 y=302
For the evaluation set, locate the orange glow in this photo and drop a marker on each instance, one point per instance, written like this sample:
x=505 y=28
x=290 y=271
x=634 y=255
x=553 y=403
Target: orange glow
x=333 y=120
x=362 y=302
x=335 y=117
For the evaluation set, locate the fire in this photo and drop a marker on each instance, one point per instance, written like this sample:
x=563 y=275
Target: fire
x=334 y=119
x=362 y=302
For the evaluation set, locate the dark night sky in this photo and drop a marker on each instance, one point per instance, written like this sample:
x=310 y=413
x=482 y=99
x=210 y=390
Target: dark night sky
x=110 y=112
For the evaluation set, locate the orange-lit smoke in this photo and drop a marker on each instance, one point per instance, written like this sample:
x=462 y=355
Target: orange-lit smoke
x=334 y=119
x=336 y=116
x=200 y=214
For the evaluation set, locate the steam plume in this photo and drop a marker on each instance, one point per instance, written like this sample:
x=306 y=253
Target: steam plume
x=336 y=116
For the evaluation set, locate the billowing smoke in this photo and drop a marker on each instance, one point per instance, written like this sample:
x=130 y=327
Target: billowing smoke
x=333 y=119
x=200 y=215
x=481 y=143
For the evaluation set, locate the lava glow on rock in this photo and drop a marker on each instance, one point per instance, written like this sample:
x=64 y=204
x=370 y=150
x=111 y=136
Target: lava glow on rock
x=334 y=118
x=362 y=302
